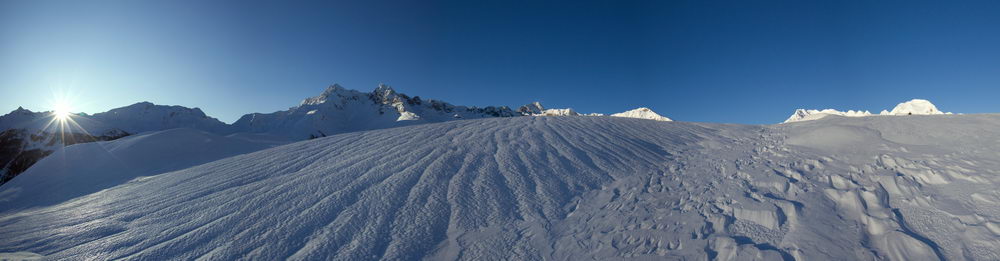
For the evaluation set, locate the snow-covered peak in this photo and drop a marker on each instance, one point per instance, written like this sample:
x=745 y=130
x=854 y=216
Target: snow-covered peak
x=20 y=111
x=536 y=109
x=385 y=94
x=146 y=116
x=558 y=112
x=912 y=107
x=915 y=107
x=384 y=90
x=531 y=109
x=18 y=117
x=807 y=115
x=149 y=107
x=332 y=91
x=641 y=113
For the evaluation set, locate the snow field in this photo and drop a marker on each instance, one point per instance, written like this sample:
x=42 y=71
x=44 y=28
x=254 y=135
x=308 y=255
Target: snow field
x=532 y=188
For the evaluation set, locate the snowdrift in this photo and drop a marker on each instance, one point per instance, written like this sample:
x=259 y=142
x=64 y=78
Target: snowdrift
x=563 y=188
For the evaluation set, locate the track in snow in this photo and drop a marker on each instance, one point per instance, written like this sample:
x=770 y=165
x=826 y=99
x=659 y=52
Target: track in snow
x=560 y=188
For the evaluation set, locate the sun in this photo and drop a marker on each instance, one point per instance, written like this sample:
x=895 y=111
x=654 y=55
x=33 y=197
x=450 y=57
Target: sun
x=61 y=117
x=61 y=110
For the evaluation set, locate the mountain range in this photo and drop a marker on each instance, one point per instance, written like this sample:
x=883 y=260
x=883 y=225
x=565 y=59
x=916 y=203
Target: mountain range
x=28 y=136
x=912 y=107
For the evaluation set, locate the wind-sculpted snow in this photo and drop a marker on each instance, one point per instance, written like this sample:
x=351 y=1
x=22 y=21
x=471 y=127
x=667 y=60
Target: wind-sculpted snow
x=562 y=188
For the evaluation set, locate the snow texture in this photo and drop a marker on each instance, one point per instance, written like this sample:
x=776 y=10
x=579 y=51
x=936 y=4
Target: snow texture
x=560 y=188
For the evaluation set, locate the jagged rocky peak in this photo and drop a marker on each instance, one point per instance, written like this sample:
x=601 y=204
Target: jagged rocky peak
x=384 y=90
x=531 y=109
x=333 y=91
x=20 y=110
x=385 y=94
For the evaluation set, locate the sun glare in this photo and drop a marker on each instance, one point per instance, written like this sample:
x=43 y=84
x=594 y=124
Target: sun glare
x=61 y=116
x=61 y=110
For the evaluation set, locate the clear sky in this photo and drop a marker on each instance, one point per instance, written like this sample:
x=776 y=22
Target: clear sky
x=708 y=61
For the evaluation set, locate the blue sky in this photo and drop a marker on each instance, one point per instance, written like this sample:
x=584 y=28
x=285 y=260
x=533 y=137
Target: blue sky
x=707 y=61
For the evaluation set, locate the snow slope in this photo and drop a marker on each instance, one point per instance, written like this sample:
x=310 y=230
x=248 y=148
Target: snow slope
x=883 y=188
x=26 y=136
x=82 y=169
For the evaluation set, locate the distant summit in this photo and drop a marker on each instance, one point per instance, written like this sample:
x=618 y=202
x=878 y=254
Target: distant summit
x=912 y=107
x=641 y=113
x=806 y=115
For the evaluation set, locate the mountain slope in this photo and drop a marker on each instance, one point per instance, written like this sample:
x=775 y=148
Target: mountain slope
x=82 y=169
x=146 y=116
x=26 y=137
x=900 y=188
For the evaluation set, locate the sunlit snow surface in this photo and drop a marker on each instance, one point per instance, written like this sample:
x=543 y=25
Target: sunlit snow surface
x=563 y=188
